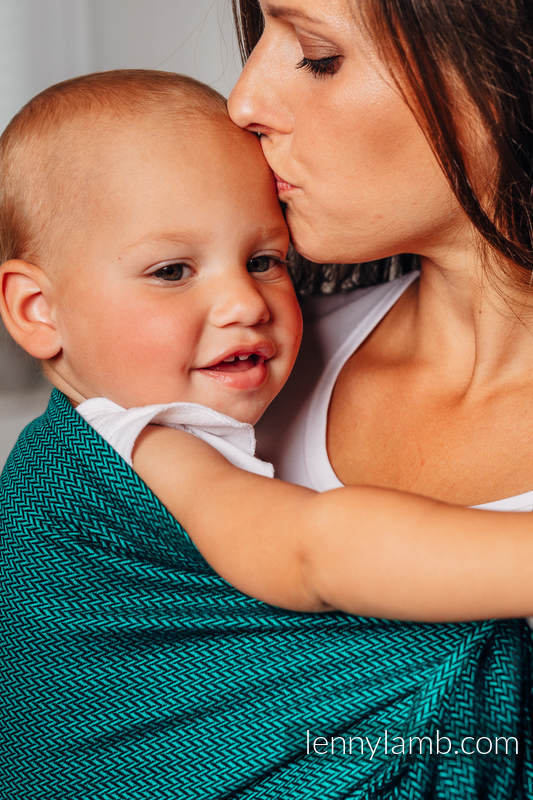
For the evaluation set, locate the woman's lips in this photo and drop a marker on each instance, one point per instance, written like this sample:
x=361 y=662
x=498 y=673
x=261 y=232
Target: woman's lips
x=283 y=186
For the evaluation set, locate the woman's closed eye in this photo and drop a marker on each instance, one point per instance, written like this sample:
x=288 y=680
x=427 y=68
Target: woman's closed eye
x=320 y=67
x=172 y=272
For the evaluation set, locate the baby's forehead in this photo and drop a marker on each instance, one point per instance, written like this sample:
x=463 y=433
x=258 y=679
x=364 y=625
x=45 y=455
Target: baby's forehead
x=159 y=157
x=203 y=135
x=56 y=150
x=80 y=155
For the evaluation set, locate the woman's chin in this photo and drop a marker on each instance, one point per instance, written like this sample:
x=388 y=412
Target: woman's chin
x=319 y=249
x=313 y=245
x=317 y=244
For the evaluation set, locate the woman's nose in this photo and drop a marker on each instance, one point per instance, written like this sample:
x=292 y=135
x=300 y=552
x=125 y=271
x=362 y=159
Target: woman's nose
x=258 y=101
x=239 y=302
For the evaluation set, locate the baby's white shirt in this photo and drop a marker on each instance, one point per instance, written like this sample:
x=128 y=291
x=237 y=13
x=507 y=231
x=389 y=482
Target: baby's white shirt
x=120 y=427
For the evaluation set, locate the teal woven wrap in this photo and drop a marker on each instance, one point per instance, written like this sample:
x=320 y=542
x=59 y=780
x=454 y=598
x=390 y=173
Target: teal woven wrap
x=134 y=671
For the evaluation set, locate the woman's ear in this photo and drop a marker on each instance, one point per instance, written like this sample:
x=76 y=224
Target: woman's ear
x=25 y=293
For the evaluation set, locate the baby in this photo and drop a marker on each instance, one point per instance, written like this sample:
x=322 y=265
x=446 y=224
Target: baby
x=144 y=263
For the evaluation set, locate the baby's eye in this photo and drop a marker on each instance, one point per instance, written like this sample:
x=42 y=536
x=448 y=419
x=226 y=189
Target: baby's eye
x=172 y=272
x=265 y=263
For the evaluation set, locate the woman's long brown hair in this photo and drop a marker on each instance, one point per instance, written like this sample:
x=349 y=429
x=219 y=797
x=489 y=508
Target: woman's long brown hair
x=488 y=46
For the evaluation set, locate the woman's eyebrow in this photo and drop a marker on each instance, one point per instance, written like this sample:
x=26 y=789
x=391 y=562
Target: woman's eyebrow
x=286 y=11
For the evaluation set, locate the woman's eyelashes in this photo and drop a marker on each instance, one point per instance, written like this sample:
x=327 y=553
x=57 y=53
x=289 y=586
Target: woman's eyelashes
x=320 y=67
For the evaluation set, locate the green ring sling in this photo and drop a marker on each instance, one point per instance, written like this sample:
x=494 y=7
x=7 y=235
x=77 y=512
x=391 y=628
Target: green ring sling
x=132 y=670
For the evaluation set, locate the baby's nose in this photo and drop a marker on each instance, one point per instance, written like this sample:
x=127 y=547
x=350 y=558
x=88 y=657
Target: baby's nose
x=240 y=304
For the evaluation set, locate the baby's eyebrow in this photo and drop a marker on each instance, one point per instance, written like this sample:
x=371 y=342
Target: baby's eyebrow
x=157 y=237
x=190 y=239
x=274 y=233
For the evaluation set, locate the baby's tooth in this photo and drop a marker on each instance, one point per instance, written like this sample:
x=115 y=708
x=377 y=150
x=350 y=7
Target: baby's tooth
x=243 y=358
x=229 y=360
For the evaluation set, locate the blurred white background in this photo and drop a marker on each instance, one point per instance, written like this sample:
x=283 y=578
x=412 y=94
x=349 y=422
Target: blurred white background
x=45 y=41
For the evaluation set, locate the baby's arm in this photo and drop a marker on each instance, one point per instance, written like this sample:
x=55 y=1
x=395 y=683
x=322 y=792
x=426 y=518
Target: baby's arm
x=368 y=551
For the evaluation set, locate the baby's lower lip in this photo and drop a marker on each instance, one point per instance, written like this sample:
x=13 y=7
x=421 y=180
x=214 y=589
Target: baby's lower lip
x=248 y=374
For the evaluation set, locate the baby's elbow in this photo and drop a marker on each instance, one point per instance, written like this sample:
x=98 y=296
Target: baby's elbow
x=310 y=577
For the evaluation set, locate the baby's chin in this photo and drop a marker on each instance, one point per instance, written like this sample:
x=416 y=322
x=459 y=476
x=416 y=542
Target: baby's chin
x=249 y=413
x=243 y=409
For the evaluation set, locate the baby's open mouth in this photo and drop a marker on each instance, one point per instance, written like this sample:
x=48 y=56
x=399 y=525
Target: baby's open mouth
x=237 y=363
x=244 y=367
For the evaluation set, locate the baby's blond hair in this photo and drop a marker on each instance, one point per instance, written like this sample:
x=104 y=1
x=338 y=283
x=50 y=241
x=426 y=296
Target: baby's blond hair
x=34 y=146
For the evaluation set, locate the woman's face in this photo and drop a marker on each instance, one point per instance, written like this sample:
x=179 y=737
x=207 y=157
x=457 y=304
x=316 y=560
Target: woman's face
x=363 y=180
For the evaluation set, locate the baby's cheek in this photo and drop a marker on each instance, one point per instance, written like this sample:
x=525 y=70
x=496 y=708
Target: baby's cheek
x=153 y=345
x=121 y=344
x=294 y=324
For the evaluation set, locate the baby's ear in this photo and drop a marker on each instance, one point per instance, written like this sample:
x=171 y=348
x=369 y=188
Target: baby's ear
x=25 y=305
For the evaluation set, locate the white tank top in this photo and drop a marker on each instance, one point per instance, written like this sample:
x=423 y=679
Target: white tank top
x=292 y=434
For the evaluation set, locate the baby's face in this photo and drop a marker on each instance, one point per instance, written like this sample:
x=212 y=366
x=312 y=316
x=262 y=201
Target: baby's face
x=174 y=286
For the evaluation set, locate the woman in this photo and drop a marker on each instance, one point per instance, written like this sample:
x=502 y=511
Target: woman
x=406 y=128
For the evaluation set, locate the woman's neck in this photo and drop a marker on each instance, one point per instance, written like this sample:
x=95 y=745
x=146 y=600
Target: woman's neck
x=474 y=322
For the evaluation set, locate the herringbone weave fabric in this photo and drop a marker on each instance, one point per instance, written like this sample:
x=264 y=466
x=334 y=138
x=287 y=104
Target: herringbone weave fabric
x=131 y=670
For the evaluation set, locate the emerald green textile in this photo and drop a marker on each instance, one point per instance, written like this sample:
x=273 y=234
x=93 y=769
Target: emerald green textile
x=132 y=670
